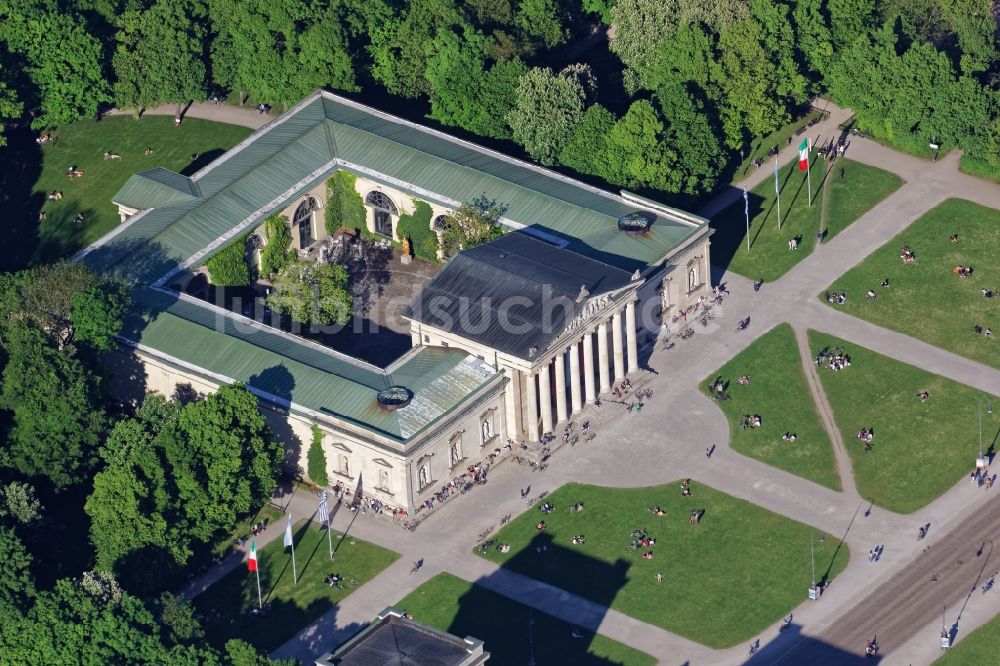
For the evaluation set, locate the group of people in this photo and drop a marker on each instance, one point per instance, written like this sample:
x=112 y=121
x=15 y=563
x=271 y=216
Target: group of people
x=686 y=488
x=576 y=507
x=45 y=138
x=962 y=271
x=982 y=477
x=875 y=554
x=579 y=540
x=789 y=437
x=255 y=530
x=979 y=330
x=833 y=149
x=750 y=421
x=835 y=359
x=54 y=195
x=836 y=297
x=866 y=435
x=474 y=475
x=640 y=540
x=907 y=255
x=547 y=507
x=73 y=173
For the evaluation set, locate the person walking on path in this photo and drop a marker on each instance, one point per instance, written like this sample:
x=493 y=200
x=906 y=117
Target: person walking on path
x=757 y=285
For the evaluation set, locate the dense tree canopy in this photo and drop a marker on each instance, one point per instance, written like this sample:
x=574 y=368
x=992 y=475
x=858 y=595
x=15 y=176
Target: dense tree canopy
x=312 y=293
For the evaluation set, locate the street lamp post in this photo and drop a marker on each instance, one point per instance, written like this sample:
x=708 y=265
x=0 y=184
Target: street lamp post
x=945 y=637
x=813 y=590
x=981 y=462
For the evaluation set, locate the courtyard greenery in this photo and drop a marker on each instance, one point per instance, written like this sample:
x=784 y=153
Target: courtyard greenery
x=311 y=293
x=83 y=144
x=779 y=394
x=416 y=227
x=316 y=462
x=920 y=448
x=842 y=192
x=345 y=209
x=512 y=632
x=926 y=299
x=228 y=267
x=979 y=647
x=738 y=570
x=276 y=253
x=475 y=222
x=227 y=603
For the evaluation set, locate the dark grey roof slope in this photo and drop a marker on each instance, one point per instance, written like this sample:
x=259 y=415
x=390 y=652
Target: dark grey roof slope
x=513 y=293
x=396 y=641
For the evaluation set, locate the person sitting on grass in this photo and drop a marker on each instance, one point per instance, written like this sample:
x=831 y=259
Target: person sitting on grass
x=503 y=547
x=788 y=437
x=579 y=540
x=657 y=511
x=743 y=380
x=885 y=283
x=648 y=555
x=923 y=395
x=954 y=239
x=987 y=293
x=540 y=525
x=871 y=295
x=576 y=508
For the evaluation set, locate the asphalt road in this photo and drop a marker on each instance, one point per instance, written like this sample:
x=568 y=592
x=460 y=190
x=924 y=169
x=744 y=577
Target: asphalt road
x=946 y=574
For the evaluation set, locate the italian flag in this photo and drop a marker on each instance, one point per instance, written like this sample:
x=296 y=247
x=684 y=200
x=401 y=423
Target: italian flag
x=252 y=562
x=804 y=154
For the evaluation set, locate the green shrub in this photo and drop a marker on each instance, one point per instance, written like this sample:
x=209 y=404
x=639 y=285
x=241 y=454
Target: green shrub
x=417 y=227
x=344 y=206
x=228 y=267
x=316 y=465
x=275 y=254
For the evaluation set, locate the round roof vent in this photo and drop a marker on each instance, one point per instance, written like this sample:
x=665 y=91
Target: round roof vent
x=635 y=223
x=394 y=397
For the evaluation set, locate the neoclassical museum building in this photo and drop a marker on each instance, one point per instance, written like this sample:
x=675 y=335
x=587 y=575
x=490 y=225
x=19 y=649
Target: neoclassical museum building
x=509 y=338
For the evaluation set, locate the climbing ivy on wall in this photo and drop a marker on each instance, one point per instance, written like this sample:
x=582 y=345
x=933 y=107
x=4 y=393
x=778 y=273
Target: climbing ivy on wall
x=344 y=207
x=275 y=254
x=228 y=267
x=316 y=463
x=417 y=227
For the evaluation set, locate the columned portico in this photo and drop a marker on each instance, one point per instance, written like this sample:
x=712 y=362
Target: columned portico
x=588 y=367
x=531 y=414
x=602 y=356
x=574 y=376
x=545 y=398
x=560 y=380
x=630 y=337
x=616 y=340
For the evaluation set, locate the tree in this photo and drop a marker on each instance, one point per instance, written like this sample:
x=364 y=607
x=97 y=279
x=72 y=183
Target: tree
x=177 y=475
x=636 y=155
x=275 y=254
x=584 y=151
x=317 y=459
x=10 y=108
x=159 y=55
x=813 y=40
x=178 y=618
x=549 y=108
x=56 y=412
x=97 y=315
x=473 y=223
x=310 y=292
x=17 y=585
x=700 y=158
x=17 y=500
x=228 y=267
x=544 y=21
x=64 y=62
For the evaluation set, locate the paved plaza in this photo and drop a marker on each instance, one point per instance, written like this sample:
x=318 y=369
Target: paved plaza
x=668 y=441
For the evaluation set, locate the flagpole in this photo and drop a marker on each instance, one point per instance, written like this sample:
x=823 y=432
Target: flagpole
x=746 y=211
x=808 y=170
x=777 y=191
x=260 y=602
x=326 y=513
x=295 y=575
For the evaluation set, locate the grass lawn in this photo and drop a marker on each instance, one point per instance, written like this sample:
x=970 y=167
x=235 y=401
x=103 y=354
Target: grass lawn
x=83 y=144
x=921 y=449
x=724 y=580
x=925 y=299
x=225 y=604
x=779 y=394
x=848 y=197
x=978 y=648
x=268 y=513
x=463 y=609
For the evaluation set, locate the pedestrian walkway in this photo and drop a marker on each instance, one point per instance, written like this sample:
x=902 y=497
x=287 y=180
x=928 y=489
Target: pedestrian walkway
x=220 y=113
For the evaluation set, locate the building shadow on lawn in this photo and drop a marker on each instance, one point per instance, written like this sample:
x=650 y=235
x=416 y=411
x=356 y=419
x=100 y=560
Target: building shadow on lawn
x=792 y=647
x=532 y=636
x=202 y=160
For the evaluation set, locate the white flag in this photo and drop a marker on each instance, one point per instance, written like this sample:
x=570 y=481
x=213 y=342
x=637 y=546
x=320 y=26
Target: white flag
x=288 y=532
x=324 y=515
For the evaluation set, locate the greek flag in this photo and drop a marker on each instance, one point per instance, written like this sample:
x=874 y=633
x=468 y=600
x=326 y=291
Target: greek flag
x=324 y=513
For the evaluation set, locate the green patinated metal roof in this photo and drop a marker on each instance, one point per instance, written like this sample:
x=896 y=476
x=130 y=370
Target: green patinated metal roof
x=190 y=218
x=156 y=188
x=296 y=371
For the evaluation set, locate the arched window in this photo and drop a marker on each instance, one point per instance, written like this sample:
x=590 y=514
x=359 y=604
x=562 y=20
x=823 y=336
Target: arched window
x=440 y=222
x=384 y=209
x=304 y=219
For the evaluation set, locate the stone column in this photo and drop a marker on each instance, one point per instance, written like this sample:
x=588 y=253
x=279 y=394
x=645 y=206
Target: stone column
x=602 y=356
x=513 y=403
x=560 y=380
x=618 y=343
x=574 y=376
x=545 y=398
x=630 y=337
x=531 y=413
x=588 y=367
